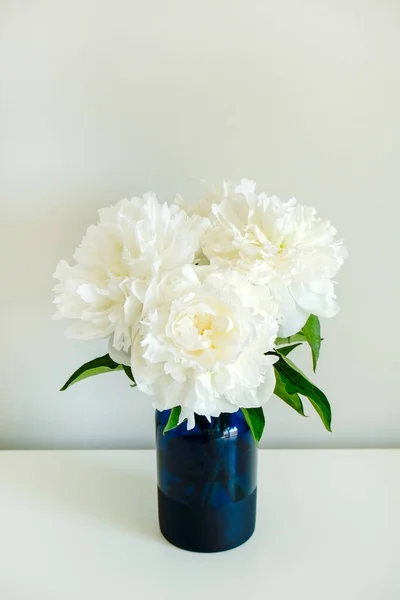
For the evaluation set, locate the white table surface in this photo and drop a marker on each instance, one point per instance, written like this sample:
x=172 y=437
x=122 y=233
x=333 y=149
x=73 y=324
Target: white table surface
x=83 y=525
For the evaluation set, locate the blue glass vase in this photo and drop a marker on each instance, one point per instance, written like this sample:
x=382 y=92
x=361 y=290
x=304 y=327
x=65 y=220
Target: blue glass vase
x=207 y=482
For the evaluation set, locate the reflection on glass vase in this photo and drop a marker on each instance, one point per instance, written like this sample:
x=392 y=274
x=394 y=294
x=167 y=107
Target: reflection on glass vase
x=207 y=482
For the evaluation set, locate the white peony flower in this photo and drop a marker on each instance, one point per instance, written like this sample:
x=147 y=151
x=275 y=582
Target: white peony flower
x=135 y=241
x=281 y=244
x=202 y=341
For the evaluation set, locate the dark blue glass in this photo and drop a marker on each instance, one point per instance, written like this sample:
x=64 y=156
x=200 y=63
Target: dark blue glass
x=207 y=482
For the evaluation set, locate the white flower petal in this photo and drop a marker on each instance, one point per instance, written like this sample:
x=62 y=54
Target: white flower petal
x=246 y=186
x=118 y=356
x=292 y=316
x=188 y=414
x=317 y=298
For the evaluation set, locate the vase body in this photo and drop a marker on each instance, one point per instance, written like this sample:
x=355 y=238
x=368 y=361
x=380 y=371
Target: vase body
x=207 y=482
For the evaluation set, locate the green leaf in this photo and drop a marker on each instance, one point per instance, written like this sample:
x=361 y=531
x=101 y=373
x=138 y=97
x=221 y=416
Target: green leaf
x=103 y=364
x=128 y=372
x=255 y=419
x=173 y=419
x=297 y=383
x=285 y=350
x=298 y=337
x=312 y=333
x=281 y=390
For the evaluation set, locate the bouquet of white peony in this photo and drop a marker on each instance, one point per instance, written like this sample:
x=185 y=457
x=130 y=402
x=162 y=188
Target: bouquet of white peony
x=201 y=303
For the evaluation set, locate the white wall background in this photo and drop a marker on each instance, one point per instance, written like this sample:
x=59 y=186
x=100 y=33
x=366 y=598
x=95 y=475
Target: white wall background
x=101 y=100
